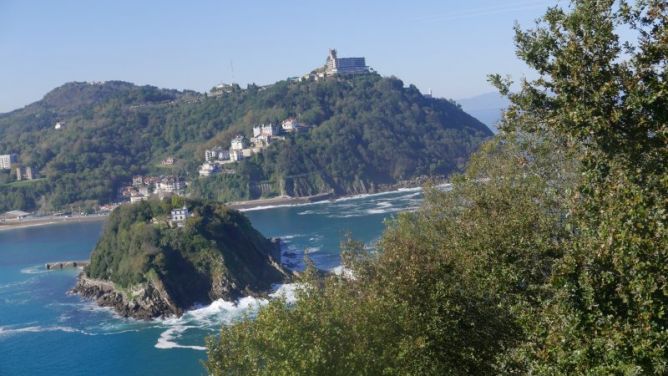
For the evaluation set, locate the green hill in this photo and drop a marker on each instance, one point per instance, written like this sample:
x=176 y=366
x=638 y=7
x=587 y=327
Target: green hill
x=145 y=265
x=368 y=131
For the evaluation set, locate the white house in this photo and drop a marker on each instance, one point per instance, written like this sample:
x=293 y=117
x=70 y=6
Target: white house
x=236 y=154
x=179 y=216
x=208 y=169
x=237 y=143
x=6 y=161
x=292 y=125
x=216 y=154
x=137 y=198
x=267 y=130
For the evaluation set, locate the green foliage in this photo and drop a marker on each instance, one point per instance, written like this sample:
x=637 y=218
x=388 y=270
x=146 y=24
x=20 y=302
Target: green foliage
x=216 y=244
x=449 y=290
x=548 y=257
x=611 y=99
x=370 y=130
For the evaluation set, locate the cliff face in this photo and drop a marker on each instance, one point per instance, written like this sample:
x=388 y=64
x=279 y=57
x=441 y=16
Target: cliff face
x=144 y=301
x=146 y=266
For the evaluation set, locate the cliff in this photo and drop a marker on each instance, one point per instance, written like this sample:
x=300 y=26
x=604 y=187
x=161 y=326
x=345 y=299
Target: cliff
x=145 y=265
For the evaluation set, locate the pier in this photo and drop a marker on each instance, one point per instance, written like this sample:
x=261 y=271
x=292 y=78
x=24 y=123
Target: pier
x=66 y=264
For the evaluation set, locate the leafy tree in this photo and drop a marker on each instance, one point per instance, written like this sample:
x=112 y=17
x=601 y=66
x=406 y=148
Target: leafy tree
x=609 y=97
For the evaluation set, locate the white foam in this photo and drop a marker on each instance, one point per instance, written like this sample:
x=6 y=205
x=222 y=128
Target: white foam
x=310 y=250
x=287 y=291
x=217 y=313
x=36 y=269
x=5 y=330
x=167 y=339
x=343 y=271
x=265 y=207
x=291 y=236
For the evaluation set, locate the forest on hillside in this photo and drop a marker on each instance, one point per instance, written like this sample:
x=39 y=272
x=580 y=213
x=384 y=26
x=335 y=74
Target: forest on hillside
x=368 y=130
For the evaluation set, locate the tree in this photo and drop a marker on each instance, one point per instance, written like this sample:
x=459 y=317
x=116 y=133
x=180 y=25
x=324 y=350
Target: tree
x=610 y=98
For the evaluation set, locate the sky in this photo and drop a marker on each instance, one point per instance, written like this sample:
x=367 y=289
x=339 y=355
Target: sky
x=448 y=46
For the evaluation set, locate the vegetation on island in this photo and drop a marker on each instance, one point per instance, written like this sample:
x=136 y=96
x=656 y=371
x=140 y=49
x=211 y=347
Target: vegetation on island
x=367 y=131
x=216 y=253
x=548 y=257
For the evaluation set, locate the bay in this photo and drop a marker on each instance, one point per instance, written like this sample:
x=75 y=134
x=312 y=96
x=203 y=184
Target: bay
x=45 y=331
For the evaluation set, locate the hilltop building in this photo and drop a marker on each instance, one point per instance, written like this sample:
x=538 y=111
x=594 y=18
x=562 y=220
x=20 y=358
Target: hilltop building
x=6 y=161
x=344 y=65
x=221 y=89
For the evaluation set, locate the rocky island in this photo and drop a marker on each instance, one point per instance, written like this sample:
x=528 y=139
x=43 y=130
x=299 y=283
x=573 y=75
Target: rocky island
x=159 y=258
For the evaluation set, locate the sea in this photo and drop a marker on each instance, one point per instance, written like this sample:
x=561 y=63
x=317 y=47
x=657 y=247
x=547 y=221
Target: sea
x=46 y=331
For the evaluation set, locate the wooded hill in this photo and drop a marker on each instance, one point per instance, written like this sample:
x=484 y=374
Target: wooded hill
x=368 y=130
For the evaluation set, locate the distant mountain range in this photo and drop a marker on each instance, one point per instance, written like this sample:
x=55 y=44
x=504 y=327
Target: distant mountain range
x=485 y=107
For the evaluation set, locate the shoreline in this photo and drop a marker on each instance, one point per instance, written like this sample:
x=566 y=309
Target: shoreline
x=256 y=204
x=280 y=200
x=47 y=221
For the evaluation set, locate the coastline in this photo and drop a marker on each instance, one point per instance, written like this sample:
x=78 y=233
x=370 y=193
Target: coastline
x=256 y=204
x=280 y=201
x=51 y=220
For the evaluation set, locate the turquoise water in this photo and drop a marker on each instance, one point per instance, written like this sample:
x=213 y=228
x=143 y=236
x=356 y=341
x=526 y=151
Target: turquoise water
x=45 y=331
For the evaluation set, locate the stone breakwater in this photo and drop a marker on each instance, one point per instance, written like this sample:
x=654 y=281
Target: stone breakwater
x=66 y=264
x=145 y=301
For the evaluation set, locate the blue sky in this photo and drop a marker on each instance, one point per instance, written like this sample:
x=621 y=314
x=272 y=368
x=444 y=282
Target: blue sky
x=446 y=45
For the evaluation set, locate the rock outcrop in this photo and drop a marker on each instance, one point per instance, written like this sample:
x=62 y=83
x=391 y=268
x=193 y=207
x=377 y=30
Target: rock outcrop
x=145 y=267
x=144 y=301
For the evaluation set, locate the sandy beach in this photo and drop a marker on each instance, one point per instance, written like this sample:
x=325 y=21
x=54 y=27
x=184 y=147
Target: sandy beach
x=281 y=200
x=50 y=220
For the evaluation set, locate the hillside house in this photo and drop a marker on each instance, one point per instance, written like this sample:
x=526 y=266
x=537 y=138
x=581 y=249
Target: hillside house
x=179 y=216
x=237 y=143
x=169 y=161
x=208 y=169
x=216 y=154
x=236 y=154
x=292 y=125
x=6 y=161
x=269 y=130
x=24 y=173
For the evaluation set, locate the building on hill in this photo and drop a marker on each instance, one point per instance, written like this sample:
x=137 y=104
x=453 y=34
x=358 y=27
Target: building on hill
x=24 y=173
x=208 y=169
x=179 y=216
x=6 y=161
x=169 y=161
x=237 y=143
x=136 y=197
x=216 y=154
x=292 y=125
x=236 y=154
x=221 y=89
x=265 y=130
x=344 y=65
x=137 y=180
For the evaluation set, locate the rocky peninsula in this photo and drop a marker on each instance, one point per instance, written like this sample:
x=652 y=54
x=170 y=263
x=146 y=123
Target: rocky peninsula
x=159 y=258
